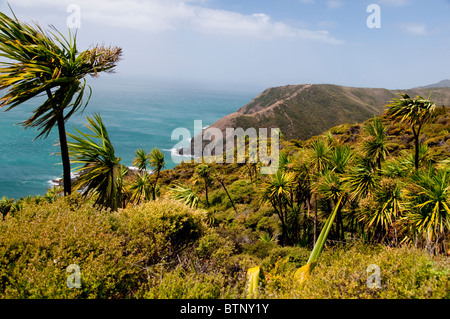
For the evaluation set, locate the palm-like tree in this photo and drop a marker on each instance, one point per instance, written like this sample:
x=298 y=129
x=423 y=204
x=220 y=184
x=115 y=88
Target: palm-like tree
x=279 y=193
x=101 y=171
x=185 y=194
x=414 y=112
x=331 y=187
x=318 y=155
x=382 y=209
x=141 y=160
x=203 y=171
x=221 y=181
x=429 y=211
x=157 y=162
x=340 y=159
x=376 y=143
x=141 y=188
x=39 y=62
x=361 y=179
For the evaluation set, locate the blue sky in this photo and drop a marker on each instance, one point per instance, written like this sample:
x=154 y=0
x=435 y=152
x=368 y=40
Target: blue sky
x=256 y=44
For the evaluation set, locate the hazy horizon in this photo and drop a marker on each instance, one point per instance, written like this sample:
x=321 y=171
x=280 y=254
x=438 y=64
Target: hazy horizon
x=252 y=45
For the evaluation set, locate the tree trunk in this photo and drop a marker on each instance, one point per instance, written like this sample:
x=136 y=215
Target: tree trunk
x=154 y=186
x=64 y=149
x=416 y=146
x=315 y=219
x=379 y=165
x=226 y=191
x=206 y=192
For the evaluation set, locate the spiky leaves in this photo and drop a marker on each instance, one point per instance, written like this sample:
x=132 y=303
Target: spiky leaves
x=414 y=112
x=304 y=272
x=38 y=61
x=46 y=63
x=185 y=194
x=141 y=159
x=429 y=205
x=157 y=162
x=376 y=145
x=279 y=193
x=101 y=171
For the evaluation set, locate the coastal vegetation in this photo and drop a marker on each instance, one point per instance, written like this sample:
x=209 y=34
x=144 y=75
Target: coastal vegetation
x=45 y=62
x=183 y=245
x=357 y=195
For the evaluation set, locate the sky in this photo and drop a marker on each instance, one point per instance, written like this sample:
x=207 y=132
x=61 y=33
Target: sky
x=255 y=44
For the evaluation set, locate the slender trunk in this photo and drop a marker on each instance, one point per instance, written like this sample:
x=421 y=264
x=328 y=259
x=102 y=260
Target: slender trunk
x=226 y=191
x=416 y=159
x=64 y=149
x=416 y=146
x=206 y=192
x=64 y=155
x=249 y=166
x=308 y=212
x=315 y=219
x=379 y=165
x=154 y=186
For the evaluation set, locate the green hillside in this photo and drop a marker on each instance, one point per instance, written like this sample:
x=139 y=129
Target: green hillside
x=302 y=111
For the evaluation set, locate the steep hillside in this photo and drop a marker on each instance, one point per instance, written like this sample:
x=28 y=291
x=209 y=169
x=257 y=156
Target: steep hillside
x=303 y=111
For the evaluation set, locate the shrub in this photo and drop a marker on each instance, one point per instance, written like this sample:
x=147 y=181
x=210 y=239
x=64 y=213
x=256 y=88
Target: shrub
x=157 y=231
x=113 y=250
x=297 y=256
x=42 y=240
x=214 y=249
x=180 y=284
x=406 y=273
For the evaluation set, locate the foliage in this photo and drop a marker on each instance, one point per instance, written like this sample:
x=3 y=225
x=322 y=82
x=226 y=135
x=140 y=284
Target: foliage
x=101 y=171
x=39 y=62
x=185 y=194
x=41 y=241
x=414 y=112
x=115 y=251
x=341 y=273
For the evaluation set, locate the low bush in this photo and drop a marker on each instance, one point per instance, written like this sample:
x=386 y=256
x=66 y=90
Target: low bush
x=342 y=273
x=112 y=250
x=38 y=243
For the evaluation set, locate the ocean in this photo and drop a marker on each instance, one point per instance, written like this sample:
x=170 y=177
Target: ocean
x=137 y=114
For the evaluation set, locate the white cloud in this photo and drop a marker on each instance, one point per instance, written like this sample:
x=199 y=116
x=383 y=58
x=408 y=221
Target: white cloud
x=162 y=15
x=395 y=3
x=333 y=4
x=415 y=28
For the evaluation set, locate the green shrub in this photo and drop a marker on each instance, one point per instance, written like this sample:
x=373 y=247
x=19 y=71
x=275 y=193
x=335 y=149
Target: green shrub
x=297 y=256
x=179 y=284
x=214 y=248
x=406 y=273
x=113 y=250
x=42 y=240
x=157 y=231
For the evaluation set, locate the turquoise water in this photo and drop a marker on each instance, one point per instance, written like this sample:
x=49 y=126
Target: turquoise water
x=137 y=115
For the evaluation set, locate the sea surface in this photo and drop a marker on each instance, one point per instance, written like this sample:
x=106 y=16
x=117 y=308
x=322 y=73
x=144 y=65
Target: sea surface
x=137 y=114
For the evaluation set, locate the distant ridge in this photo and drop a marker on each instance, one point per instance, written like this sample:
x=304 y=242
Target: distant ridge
x=305 y=110
x=441 y=84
